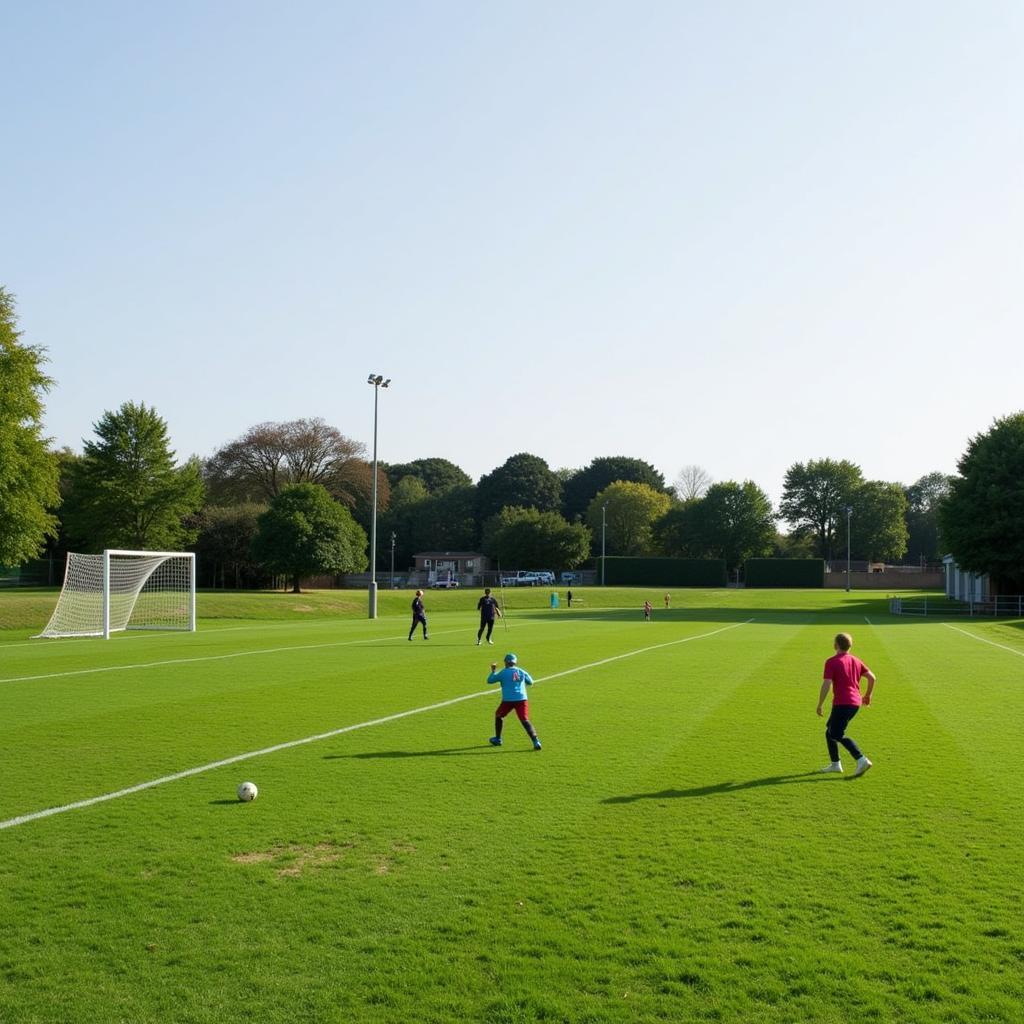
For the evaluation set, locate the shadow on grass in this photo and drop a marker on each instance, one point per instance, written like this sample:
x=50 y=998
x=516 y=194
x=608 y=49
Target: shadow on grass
x=220 y=803
x=722 y=787
x=853 y=611
x=450 y=752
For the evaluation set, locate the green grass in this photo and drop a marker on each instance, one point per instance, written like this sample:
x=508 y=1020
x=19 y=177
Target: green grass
x=669 y=856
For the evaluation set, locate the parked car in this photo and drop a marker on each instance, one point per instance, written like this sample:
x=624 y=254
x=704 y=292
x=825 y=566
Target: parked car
x=445 y=585
x=544 y=575
x=521 y=579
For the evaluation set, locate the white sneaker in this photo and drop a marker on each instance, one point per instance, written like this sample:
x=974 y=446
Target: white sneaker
x=863 y=764
x=478 y=643
x=491 y=642
x=835 y=766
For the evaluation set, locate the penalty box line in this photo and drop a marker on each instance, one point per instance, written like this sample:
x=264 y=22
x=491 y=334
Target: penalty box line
x=981 y=639
x=139 y=666
x=289 y=744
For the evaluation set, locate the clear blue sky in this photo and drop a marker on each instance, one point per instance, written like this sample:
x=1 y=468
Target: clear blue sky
x=736 y=234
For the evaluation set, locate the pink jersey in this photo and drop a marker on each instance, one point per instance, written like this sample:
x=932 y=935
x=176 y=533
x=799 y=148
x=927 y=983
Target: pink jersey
x=844 y=671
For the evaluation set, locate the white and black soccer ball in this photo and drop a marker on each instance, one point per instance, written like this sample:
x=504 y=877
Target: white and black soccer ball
x=247 y=791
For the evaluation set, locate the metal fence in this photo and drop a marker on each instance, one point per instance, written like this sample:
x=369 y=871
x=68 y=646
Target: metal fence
x=1002 y=606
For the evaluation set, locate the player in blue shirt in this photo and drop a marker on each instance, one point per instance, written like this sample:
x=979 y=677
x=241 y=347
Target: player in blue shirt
x=514 y=681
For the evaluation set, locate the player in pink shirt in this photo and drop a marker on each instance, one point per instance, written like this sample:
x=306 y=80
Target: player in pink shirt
x=843 y=673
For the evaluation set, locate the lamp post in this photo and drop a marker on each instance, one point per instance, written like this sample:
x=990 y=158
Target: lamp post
x=849 y=512
x=604 y=526
x=378 y=382
x=392 y=559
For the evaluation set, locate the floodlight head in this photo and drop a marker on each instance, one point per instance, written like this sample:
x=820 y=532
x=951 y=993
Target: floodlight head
x=369 y=380
x=386 y=383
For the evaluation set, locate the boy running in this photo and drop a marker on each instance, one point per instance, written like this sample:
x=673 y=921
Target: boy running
x=418 y=615
x=514 y=681
x=488 y=608
x=843 y=673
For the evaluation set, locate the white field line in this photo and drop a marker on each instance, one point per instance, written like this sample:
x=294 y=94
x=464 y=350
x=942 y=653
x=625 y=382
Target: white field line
x=981 y=639
x=140 y=636
x=103 y=798
x=209 y=657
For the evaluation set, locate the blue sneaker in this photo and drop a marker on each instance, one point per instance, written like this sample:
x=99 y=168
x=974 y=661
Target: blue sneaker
x=495 y=741
x=536 y=744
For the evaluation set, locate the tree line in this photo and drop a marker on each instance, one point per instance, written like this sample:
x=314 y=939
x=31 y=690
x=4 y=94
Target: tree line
x=294 y=499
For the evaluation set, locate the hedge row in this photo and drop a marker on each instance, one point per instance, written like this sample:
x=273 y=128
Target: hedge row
x=663 y=572
x=784 y=572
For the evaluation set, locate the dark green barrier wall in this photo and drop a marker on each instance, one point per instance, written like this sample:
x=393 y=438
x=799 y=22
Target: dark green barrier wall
x=784 y=572
x=664 y=572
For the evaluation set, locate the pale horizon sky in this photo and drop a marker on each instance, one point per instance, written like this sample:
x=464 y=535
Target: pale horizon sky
x=739 y=235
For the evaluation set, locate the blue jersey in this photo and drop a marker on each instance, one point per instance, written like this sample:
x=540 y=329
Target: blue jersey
x=514 y=681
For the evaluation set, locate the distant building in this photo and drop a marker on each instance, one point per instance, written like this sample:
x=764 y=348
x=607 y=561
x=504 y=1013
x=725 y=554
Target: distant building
x=962 y=585
x=459 y=565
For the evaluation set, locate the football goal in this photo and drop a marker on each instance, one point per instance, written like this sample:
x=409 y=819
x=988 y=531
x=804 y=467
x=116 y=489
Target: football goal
x=119 y=590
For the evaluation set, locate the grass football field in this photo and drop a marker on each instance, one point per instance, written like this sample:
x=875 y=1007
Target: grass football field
x=670 y=855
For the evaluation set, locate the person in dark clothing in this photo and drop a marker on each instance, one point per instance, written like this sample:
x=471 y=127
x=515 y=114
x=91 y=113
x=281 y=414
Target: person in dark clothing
x=489 y=610
x=418 y=615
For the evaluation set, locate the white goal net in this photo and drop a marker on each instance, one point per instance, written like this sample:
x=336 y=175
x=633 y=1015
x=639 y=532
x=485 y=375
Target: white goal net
x=119 y=590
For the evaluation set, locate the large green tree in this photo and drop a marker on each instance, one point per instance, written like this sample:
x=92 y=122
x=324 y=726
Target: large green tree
x=982 y=519
x=523 y=481
x=675 y=533
x=127 y=492
x=923 y=500
x=878 y=525
x=581 y=487
x=305 y=532
x=436 y=474
x=814 y=499
x=428 y=522
x=526 y=538
x=733 y=521
x=631 y=510
x=28 y=469
x=224 y=545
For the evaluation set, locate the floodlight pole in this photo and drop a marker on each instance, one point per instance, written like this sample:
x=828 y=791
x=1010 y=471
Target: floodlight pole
x=378 y=382
x=849 y=512
x=604 y=526
x=392 y=559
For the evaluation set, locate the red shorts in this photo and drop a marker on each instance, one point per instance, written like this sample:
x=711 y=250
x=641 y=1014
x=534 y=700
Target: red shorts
x=520 y=707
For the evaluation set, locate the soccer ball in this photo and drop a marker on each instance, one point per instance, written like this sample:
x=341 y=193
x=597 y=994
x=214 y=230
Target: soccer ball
x=247 y=791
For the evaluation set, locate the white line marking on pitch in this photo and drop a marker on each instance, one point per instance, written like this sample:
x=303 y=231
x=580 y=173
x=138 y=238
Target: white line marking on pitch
x=78 y=804
x=991 y=643
x=207 y=657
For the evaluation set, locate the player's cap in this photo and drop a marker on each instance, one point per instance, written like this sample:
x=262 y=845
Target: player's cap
x=510 y=659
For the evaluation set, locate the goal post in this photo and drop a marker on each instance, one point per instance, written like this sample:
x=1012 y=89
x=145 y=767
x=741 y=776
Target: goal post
x=119 y=590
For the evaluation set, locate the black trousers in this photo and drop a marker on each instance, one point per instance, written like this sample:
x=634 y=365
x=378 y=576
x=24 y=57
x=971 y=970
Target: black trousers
x=487 y=624
x=835 y=730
